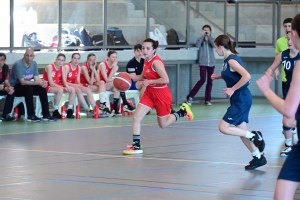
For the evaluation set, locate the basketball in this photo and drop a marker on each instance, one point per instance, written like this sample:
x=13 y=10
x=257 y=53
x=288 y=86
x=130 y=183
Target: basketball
x=122 y=82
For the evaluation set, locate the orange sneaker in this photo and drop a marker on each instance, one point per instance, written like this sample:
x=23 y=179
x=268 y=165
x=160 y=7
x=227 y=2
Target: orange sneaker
x=133 y=149
x=189 y=114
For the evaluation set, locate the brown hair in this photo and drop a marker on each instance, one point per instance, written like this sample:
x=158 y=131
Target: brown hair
x=296 y=23
x=154 y=42
x=287 y=20
x=206 y=26
x=61 y=54
x=111 y=52
x=3 y=55
x=225 y=41
x=90 y=54
x=75 y=54
x=137 y=47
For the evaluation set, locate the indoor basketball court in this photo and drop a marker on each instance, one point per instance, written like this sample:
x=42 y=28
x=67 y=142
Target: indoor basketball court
x=82 y=159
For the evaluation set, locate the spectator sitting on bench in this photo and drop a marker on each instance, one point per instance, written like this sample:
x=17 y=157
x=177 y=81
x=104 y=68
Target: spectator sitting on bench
x=6 y=89
x=135 y=66
x=107 y=70
x=90 y=78
x=21 y=75
x=53 y=75
x=71 y=77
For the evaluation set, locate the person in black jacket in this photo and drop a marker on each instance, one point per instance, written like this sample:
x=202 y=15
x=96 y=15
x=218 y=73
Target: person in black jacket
x=135 y=66
x=6 y=89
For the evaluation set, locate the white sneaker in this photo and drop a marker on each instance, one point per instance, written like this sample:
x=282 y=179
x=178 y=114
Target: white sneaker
x=208 y=103
x=285 y=152
x=128 y=108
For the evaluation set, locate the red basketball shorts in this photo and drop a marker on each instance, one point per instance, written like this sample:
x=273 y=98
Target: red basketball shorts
x=158 y=98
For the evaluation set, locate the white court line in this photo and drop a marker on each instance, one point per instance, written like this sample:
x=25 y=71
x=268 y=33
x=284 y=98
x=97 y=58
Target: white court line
x=135 y=157
x=118 y=126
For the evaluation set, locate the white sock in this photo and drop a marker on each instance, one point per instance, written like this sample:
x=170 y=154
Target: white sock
x=70 y=106
x=102 y=97
x=249 y=134
x=256 y=154
x=288 y=142
x=55 y=107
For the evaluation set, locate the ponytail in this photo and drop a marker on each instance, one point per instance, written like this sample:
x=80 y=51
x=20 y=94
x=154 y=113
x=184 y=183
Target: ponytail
x=155 y=43
x=232 y=47
x=224 y=40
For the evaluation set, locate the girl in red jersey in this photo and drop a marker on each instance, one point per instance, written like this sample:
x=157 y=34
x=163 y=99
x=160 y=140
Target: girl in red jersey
x=157 y=95
x=90 y=78
x=106 y=70
x=53 y=75
x=71 y=77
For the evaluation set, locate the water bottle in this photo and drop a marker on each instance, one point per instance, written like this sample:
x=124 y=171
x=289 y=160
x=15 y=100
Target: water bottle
x=96 y=111
x=16 y=113
x=63 y=112
x=77 y=112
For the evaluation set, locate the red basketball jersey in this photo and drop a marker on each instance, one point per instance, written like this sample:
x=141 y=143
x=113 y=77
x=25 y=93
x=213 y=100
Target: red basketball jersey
x=72 y=74
x=150 y=73
x=82 y=78
x=56 y=75
x=107 y=70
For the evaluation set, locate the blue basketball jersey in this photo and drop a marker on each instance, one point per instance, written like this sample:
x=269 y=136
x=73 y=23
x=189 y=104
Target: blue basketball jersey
x=241 y=100
x=289 y=64
x=231 y=78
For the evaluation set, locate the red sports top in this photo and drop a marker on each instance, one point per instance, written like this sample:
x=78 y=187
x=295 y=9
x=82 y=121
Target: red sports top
x=150 y=73
x=107 y=70
x=82 y=78
x=72 y=74
x=56 y=75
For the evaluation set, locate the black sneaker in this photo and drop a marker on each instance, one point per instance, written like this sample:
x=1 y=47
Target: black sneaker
x=258 y=140
x=172 y=110
x=128 y=108
x=255 y=162
x=104 y=109
x=49 y=118
x=56 y=114
x=8 y=118
x=33 y=118
x=116 y=112
x=70 y=114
